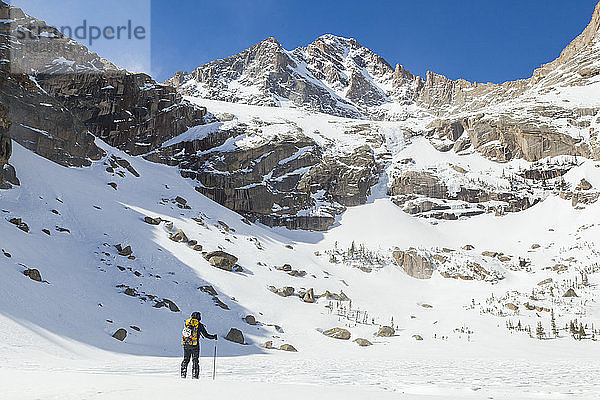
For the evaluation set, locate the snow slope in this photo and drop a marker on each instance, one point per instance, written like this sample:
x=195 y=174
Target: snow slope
x=63 y=326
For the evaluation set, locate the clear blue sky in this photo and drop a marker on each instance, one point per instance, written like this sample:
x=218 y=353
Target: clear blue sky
x=478 y=40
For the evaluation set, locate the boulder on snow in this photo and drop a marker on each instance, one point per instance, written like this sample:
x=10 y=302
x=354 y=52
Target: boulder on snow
x=125 y=252
x=417 y=337
x=419 y=266
x=250 y=320
x=120 y=334
x=545 y=282
x=19 y=224
x=285 y=268
x=362 y=342
x=268 y=344
x=337 y=333
x=152 y=221
x=225 y=227
x=491 y=254
x=33 y=274
x=512 y=306
x=386 y=331
x=235 y=336
x=179 y=236
x=221 y=260
x=309 y=296
x=181 y=200
x=334 y=296
x=570 y=293
x=197 y=247
x=297 y=274
x=286 y=291
x=208 y=289
x=288 y=347
x=167 y=303
x=584 y=185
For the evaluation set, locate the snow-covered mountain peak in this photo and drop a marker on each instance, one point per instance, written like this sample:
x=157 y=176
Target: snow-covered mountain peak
x=333 y=44
x=333 y=74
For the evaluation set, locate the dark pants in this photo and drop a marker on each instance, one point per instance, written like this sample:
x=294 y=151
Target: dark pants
x=192 y=352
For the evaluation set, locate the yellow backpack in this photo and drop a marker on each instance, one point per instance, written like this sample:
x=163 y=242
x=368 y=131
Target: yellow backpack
x=189 y=334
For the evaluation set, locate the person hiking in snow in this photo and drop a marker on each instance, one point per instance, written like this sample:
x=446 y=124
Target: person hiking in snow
x=190 y=339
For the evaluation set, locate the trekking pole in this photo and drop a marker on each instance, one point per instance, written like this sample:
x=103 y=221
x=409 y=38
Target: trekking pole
x=215 y=361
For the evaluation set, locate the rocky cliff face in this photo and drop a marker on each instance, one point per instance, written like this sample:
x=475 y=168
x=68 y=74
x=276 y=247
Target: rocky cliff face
x=349 y=115
x=8 y=176
x=59 y=98
x=128 y=111
x=39 y=122
x=283 y=179
x=555 y=112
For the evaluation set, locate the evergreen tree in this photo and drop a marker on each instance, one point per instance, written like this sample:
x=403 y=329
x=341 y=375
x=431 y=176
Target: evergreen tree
x=581 y=332
x=539 y=331
x=553 y=324
x=572 y=328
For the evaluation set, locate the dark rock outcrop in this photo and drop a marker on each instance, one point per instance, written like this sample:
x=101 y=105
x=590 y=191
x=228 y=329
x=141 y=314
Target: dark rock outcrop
x=8 y=176
x=19 y=223
x=504 y=139
x=275 y=181
x=124 y=251
x=152 y=221
x=167 y=303
x=57 y=92
x=424 y=193
x=128 y=111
